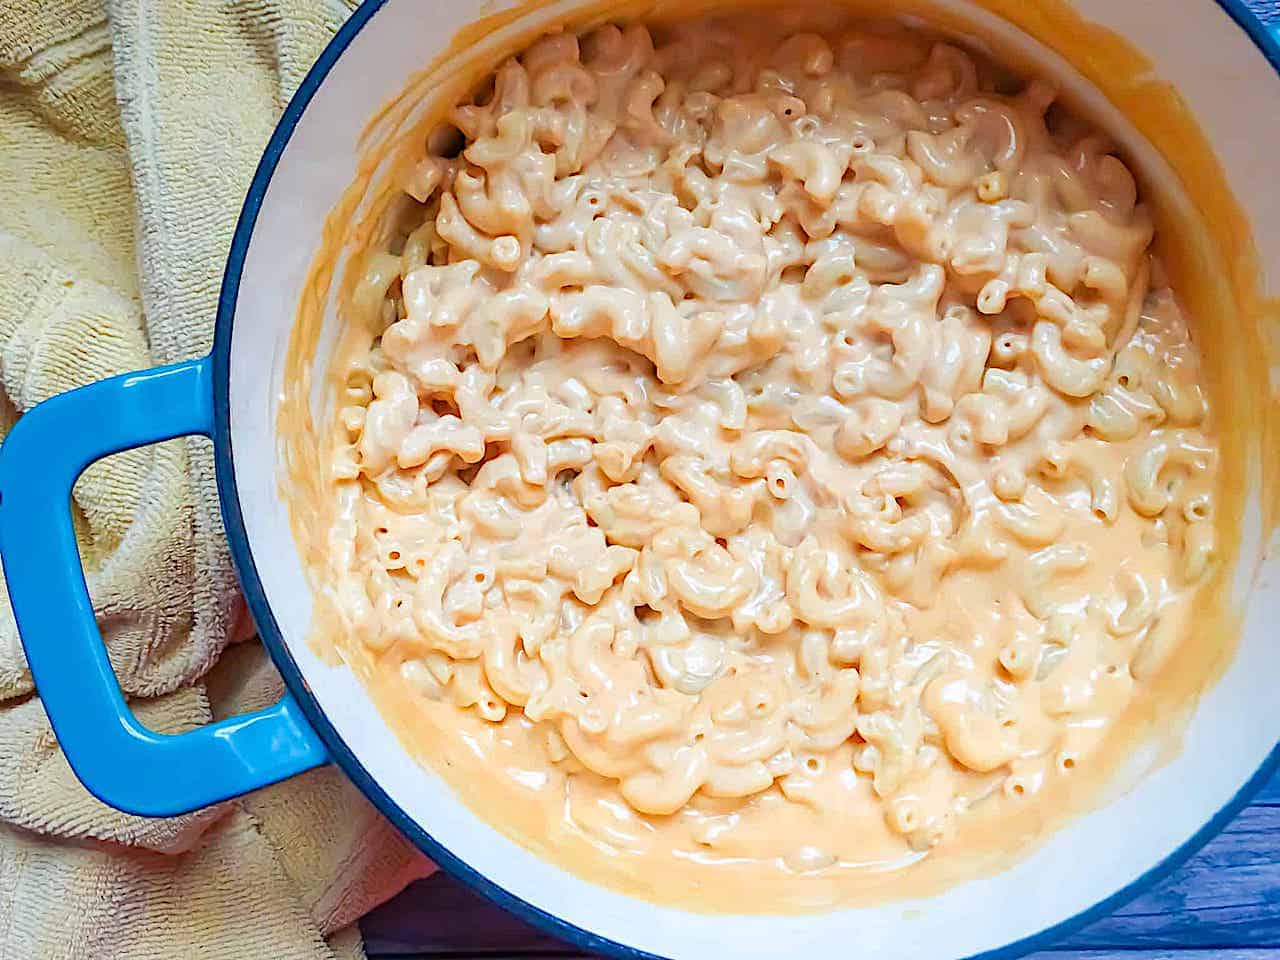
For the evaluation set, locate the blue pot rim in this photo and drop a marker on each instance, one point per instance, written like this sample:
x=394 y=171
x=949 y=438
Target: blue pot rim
x=1267 y=39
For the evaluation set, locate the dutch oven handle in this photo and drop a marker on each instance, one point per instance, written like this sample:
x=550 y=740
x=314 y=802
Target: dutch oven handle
x=118 y=759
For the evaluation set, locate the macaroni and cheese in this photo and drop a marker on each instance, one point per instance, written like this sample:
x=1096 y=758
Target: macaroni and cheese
x=772 y=448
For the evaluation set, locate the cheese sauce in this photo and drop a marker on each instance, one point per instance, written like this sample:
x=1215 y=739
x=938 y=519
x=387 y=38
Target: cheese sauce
x=766 y=463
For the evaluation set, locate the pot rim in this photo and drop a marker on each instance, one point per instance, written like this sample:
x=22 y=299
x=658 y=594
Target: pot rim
x=1265 y=38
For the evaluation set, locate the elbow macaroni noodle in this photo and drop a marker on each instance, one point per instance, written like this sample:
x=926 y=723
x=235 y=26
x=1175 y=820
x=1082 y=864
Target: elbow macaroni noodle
x=776 y=446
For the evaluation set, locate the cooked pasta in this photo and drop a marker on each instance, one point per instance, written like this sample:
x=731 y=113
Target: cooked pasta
x=774 y=445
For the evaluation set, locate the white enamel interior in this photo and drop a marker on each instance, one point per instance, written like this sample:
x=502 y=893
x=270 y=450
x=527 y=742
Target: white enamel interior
x=1233 y=91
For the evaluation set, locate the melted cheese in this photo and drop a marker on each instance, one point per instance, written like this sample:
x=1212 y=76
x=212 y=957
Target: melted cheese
x=787 y=532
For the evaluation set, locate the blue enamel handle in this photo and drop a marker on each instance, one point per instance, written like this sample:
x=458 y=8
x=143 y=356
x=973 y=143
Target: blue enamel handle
x=120 y=761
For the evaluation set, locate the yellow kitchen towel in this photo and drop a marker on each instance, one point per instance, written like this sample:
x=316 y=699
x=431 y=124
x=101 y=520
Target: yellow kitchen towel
x=129 y=130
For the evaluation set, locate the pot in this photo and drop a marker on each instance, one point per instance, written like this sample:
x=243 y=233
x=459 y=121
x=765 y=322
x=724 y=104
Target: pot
x=1224 y=63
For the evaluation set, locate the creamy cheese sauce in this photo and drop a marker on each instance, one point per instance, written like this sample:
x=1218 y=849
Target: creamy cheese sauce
x=775 y=459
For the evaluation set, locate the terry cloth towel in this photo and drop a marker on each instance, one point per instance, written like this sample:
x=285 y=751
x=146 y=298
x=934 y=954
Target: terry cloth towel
x=129 y=131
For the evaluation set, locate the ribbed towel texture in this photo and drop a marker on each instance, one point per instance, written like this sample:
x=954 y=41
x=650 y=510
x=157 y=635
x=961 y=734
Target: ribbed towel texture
x=129 y=131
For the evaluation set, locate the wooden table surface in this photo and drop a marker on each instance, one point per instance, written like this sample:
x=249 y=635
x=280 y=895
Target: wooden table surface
x=1224 y=904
